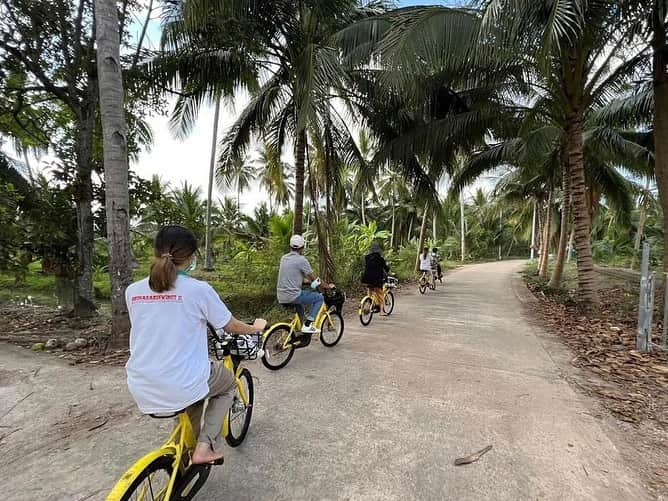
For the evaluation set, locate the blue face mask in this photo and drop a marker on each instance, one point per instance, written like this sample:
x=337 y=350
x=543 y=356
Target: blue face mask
x=192 y=266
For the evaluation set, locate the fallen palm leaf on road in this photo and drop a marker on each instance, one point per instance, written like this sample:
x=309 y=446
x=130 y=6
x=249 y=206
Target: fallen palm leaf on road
x=472 y=458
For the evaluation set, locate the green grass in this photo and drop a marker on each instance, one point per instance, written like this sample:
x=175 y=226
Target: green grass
x=248 y=291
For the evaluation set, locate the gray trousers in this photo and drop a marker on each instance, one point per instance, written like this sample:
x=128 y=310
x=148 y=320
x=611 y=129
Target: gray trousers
x=222 y=385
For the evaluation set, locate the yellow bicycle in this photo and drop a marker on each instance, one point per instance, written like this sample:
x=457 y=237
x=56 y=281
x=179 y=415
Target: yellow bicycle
x=167 y=473
x=427 y=279
x=372 y=303
x=282 y=339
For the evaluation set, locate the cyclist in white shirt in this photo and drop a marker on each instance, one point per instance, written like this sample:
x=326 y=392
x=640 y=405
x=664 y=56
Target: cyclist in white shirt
x=425 y=261
x=169 y=368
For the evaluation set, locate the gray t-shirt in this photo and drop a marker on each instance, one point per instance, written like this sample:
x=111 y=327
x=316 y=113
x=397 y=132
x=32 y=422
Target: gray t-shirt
x=294 y=267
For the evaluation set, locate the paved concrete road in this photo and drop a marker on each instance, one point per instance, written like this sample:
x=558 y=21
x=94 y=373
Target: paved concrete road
x=382 y=416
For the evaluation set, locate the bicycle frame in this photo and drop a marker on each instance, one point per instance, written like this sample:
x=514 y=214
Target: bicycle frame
x=430 y=276
x=181 y=439
x=376 y=299
x=296 y=323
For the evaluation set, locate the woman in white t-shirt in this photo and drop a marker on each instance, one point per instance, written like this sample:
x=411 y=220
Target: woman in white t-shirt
x=169 y=368
x=425 y=261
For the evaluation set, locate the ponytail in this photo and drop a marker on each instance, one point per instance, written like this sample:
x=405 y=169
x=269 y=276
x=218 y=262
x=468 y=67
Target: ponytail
x=163 y=273
x=173 y=246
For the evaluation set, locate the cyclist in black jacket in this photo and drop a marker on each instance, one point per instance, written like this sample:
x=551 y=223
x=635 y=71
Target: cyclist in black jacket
x=375 y=271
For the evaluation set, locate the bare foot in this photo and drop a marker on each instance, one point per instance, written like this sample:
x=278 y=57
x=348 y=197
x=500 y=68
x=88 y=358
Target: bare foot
x=204 y=454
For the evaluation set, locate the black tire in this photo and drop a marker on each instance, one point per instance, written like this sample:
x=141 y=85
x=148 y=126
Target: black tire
x=432 y=284
x=239 y=415
x=334 y=332
x=366 y=311
x=388 y=305
x=146 y=484
x=422 y=287
x=273 y=344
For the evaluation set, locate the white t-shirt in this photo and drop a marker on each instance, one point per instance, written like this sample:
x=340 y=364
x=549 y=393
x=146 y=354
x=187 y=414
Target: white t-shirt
x=169 y=363
x=425 y=262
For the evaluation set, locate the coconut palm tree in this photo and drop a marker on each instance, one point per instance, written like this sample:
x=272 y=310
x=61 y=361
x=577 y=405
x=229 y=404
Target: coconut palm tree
x=275 y=177
x=237 y=174
x=648 y=18
x=117 y=196
x=190 y=209
x=290 y=45
x=517 y=46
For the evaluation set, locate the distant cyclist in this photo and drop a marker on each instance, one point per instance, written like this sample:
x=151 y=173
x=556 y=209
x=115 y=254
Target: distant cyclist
x=375 y=271
x=425 y=262
x=294 y=268
x=436 y=263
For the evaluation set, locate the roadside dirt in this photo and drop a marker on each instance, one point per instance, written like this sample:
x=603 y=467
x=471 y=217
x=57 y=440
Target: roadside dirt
x=632 y=387
x=34 y=326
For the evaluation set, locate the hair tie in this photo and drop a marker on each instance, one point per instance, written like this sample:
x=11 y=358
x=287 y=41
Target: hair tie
x=167 y=255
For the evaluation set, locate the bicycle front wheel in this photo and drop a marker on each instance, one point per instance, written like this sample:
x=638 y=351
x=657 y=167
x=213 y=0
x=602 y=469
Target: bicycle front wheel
x=331 y=329
x=152 y=483
x=388 y=305
x=276 y=355
x=239 y=415
x=366 y=311
x=422 y=287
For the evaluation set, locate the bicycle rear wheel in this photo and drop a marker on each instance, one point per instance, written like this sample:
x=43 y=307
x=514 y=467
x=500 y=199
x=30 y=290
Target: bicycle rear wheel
x=422 y=286
x=275 y=355
x=366 y=311
x=151 y=484
x=388 y=305
x=239 y=415
x=331 y=332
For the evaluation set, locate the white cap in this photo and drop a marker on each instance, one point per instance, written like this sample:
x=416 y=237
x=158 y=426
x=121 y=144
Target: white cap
x=296 y=241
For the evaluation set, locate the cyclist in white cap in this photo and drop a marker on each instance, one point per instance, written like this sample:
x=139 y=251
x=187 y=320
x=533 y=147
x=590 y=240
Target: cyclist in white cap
x=293 y=270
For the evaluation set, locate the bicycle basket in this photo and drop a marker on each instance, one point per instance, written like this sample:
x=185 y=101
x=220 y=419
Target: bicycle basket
x=392 y=282
x=336 y=298
x=245 y=346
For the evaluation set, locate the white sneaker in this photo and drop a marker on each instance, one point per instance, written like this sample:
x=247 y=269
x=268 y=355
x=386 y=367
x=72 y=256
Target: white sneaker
x=309 y=329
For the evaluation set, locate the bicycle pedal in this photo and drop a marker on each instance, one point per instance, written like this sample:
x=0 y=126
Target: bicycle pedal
x=191 y=482
x=302 y=340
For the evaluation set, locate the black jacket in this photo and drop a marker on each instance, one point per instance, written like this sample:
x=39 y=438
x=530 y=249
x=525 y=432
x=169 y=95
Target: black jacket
x=374 y=270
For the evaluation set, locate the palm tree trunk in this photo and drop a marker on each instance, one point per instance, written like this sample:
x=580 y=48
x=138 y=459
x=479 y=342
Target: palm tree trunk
x=660 y=79
x=208 y=254
x=547 y=229
x=587 y=296
x=434 y=227
x=393 y=223
x=84 y=303
x=299 y=182
x=570 y=244
x=117 y=196
x=533 y=233
x=642 y=218
x=31 y=174
x=363 y=211
x=422 y=236
x=410 y=229
x=326 y=261
x=555 y=280
x=462 y=225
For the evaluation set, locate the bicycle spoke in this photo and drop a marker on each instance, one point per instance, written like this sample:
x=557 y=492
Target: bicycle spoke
x=150 y=486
